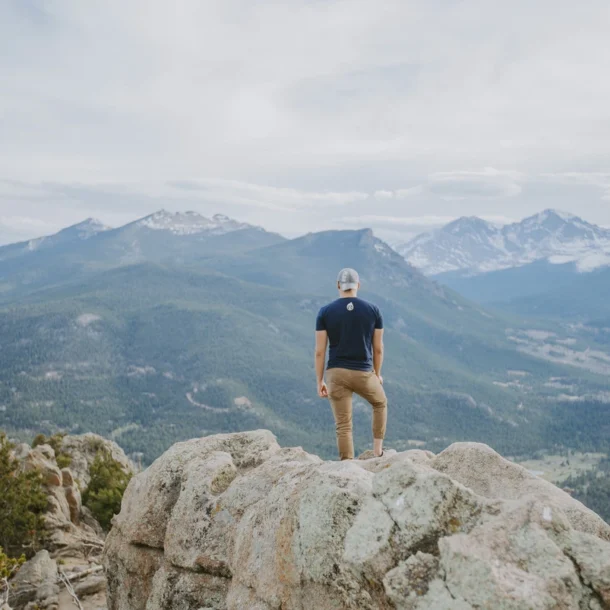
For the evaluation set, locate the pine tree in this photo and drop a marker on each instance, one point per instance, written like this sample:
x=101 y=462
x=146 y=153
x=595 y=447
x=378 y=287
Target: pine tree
x=105 y=492
x=22 y=502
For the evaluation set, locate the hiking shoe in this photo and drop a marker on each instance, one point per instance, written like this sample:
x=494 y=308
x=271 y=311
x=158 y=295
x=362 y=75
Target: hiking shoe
x=370 y=454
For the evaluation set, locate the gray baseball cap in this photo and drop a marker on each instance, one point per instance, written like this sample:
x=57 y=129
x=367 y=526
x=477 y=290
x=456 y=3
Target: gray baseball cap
x=348 y=279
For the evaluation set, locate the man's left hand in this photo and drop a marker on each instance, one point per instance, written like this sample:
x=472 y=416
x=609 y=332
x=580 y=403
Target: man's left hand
x=322 y=390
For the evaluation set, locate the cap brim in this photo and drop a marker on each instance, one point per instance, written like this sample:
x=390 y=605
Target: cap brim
x=348 y=286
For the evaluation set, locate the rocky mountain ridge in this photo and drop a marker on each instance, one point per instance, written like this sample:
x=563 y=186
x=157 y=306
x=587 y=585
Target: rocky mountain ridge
x=174 y=223
x=191 y=223
x=73 y=540
x=472 y=245
x=235 y=521
x=89 y=248
x=73 y=234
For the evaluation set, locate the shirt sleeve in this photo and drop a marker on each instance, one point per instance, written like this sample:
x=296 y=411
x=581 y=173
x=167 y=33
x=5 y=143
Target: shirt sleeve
x=378 y=319
x=320 y=323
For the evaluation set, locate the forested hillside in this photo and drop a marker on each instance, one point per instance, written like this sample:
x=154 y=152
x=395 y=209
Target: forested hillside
x=593 y=488
x=158 y=351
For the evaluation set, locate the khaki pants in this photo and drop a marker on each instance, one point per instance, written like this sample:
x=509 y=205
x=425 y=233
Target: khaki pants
x=342 y=383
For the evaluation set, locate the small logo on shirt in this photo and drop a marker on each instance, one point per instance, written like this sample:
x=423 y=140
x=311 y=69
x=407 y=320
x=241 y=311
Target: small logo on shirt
x=350 y=307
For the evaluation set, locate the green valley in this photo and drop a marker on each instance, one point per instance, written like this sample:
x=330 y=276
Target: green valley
x=158 y=351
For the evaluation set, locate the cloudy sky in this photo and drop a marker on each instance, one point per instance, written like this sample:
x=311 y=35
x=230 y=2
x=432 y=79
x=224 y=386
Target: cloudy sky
x=303 y=115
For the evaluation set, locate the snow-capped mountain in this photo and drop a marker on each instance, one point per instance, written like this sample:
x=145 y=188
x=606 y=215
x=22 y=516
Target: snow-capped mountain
x=162 y=237
x=191 y=223
x=474 y=246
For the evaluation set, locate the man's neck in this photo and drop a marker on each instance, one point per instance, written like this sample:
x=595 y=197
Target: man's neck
x=348 y=294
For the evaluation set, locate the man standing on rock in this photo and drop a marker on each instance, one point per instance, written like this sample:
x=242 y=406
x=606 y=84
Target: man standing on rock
x=354 y=329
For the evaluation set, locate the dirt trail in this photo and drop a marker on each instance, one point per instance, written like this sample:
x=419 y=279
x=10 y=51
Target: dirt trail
x=93 y=602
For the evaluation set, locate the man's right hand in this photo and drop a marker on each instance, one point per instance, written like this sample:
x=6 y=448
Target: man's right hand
x=322 y=390
x=380 y=378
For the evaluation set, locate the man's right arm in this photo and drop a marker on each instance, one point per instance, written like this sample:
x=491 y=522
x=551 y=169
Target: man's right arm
x=378 y=352
x=320 y=354
x=320 y=361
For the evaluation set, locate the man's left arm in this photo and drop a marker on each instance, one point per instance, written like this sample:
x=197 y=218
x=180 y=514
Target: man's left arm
x=320 y=359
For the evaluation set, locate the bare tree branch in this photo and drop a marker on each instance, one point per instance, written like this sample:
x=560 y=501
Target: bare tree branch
x=79 y=575
x=70 y=589
x=5 y=591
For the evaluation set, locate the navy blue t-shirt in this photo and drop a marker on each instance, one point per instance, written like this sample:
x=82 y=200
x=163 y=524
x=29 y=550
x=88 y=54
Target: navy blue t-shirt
x=350 y=323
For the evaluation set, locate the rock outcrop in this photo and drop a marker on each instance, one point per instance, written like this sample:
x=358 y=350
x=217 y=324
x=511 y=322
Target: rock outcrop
x=72 y=533
x=235 y=522
x=84 y=448
x=65 y=522
x=35 y=585
x=71 y=529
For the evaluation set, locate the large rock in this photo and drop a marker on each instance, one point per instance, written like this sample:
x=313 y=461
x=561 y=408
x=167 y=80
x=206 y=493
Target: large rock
x=234 y=522
x=90 y=586
x=35 y=583
x=488 y=474
x=84 y=448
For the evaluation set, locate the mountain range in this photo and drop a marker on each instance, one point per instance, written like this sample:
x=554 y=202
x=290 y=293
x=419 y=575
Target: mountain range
x=176 y=325
x=551 y=265
x=90 y=246
x=473 y=246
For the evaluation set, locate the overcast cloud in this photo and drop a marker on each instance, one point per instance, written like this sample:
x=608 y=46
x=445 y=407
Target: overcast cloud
x=302 y=115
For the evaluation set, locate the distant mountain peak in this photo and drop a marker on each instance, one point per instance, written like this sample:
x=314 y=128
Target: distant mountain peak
x=165 y=216
x=467 y=223
x=89 y=227
x=80 y=231
x=553 y=213
x=190 y=223
x=550 y=217
x=90 y=222
x=473 y=245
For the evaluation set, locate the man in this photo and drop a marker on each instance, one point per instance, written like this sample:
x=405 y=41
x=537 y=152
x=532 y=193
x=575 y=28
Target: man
x=354 y=329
